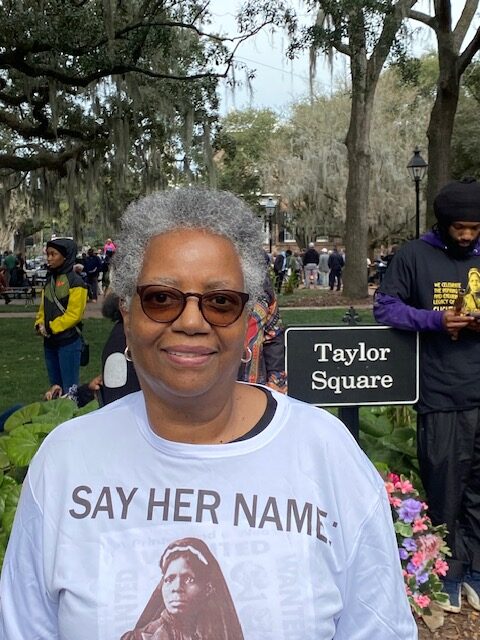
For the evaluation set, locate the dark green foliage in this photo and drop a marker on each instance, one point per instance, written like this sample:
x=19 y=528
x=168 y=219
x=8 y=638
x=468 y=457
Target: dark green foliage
x=388 y=436
x=99 y=101
x=25 y=431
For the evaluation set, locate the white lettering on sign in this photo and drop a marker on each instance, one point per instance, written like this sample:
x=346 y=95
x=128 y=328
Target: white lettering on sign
x=338 y=384
x=348 y=356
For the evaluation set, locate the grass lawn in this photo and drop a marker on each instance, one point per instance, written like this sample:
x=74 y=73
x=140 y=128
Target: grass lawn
x=23 y=375
x=321 y=317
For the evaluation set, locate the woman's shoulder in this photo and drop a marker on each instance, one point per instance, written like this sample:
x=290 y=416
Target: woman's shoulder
x=93 y=430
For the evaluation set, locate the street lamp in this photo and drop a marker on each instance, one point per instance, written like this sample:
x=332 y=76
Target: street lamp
x=270 y=206
x=417 y=168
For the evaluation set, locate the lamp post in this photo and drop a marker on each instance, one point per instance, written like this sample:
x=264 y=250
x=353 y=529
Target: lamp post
x=417 y=168
x=270 y=206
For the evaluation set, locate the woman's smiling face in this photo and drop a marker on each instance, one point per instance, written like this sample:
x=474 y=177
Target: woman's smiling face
x=187 y=357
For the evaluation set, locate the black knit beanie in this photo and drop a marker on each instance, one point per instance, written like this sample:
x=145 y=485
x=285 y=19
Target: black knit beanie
x=458 y=200
x=61 y=248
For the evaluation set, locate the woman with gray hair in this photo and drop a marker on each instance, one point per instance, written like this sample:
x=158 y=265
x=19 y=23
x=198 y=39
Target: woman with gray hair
x=197 y=456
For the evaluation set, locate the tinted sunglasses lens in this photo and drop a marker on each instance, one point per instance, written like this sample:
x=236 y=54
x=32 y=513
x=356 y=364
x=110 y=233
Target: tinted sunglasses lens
x=162 y=304
x=222 y=308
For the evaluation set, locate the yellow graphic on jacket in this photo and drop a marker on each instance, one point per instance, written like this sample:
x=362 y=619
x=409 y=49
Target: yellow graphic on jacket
x=445 y=294
x=472 y=294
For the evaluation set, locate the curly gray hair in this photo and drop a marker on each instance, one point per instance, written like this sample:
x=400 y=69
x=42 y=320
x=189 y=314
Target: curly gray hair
x=219 y=212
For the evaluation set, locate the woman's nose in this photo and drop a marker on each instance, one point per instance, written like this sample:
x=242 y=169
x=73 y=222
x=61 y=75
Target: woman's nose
x=176 y=584
x=191 y=319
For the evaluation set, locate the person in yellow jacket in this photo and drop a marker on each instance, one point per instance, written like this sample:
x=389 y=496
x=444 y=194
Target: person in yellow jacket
x=59 y=318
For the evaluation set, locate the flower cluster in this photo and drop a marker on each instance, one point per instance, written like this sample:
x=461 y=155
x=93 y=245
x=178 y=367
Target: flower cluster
x=421 y=546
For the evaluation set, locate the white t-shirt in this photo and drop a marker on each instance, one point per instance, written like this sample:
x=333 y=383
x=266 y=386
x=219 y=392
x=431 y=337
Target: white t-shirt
x=296 y=517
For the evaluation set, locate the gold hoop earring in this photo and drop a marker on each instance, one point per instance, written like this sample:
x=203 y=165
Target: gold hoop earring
x=127 y=354
x=247 y=356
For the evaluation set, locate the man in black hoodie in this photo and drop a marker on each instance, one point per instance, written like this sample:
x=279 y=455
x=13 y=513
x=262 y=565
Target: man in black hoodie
x=59 y=317
x=422 y=290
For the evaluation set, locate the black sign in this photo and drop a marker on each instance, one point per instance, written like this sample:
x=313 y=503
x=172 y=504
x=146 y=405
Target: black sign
x=343 y=366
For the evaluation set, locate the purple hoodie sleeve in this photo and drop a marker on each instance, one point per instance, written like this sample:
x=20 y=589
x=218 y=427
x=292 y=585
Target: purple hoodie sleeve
x=395 y=313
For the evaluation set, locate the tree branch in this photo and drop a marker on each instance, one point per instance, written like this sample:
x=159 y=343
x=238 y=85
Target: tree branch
x=422 y=17
x=464 y=22
x=466 y=57
x=7 y=61
x=42 y=130
x=443 y=13
x=53 y=161
x=383 y=46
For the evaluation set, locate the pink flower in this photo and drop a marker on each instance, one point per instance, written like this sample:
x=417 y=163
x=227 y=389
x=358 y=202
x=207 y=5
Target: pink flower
x=395 y=502
x=419 y=525
x=393 y=477
x=430 y=545
x=441 y=567
x=422 y=600
x=418 y=559
x=390 y=487
x=405 y=486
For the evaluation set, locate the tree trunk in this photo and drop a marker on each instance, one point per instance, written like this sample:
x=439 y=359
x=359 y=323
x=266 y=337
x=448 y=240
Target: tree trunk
x=440 y=127
x=359 y=162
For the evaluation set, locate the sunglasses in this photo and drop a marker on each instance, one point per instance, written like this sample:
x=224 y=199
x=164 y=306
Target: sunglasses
x=220 y=307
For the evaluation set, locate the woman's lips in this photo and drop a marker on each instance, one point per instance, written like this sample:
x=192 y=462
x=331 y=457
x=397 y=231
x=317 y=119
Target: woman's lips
x=189 y=356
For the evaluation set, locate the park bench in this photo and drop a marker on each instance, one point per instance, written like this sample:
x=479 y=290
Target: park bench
x=29 y=293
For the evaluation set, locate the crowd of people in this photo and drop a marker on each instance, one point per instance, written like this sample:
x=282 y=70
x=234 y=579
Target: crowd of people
x=309 y=268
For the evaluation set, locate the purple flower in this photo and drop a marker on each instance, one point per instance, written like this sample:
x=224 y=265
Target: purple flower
x=409 y=544
x=411 y=568
x=422 y=578
x=403 y=554
x=409 y=510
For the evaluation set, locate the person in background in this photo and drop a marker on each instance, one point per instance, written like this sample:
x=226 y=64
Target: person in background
x=9 y=261
x=198 y=455
x=280 y=270
x=118 y=372
x=107 y=262
x=310 y=266
x=323 y=268
x=419 y=292
x=60 y=314
x=336 y=263
x=109 y=246
x=93 y=268
x=264 y=348
x=3 y=285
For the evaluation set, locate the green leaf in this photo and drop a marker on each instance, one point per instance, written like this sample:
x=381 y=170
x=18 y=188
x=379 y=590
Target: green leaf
x=23 y=416
x=60 y=410
x=2 y=506
x=382 y=468
x=10 y=508
x=403 y=528
x=91 y=406
x=43 y=428
x=4 y=461
x=22 y=446
x=375 y=425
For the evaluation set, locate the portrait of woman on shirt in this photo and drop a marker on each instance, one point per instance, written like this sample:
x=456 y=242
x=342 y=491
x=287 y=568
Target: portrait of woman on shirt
x=192 y=600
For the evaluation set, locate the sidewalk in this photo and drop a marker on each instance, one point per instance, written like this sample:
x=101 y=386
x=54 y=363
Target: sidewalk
x=93 y=310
